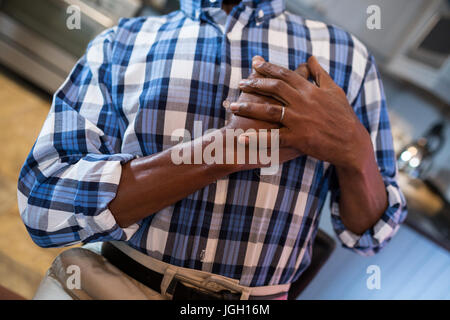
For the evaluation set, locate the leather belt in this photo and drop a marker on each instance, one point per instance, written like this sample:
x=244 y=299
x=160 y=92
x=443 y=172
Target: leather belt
x=153 y=279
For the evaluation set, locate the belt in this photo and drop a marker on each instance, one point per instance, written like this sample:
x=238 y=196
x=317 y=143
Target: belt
x=153 y=279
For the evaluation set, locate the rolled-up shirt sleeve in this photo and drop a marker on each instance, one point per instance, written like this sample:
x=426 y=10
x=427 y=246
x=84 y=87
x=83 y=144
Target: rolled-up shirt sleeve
x=74 y=168
x=370 y=107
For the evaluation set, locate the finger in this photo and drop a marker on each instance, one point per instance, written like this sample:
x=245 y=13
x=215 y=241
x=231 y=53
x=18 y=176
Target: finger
x=257 y=60
x=254 y=74
x=275 y=88
x=320 y=76
x=303 y=71
x=260 y=111
x=274 y=138
x=278 y=72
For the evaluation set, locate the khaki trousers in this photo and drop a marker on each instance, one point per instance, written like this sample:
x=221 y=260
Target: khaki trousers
x=84 y=274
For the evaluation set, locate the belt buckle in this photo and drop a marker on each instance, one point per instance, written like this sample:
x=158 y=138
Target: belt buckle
x=184 y=292
x=230 y=287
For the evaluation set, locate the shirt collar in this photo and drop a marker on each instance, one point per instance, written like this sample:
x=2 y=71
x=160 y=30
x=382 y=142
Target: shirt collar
x=265 y=8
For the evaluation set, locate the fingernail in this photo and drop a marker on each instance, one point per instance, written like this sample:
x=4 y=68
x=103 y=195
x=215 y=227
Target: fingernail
x=226 y=104
x=257 y=63
x=244 y=83
x=235 y=107
x=258 y=58
x=242 y=139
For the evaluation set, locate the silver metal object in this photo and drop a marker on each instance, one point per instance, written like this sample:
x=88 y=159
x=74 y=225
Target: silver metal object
x=36 y=43
x=282 y=113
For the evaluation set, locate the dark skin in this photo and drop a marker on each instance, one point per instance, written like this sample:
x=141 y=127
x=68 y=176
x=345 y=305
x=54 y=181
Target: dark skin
x=363 y=195
x=228 y=5
x=319 y=122
x=138 y=197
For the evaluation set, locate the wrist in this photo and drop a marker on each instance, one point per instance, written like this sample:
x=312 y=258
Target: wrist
x=226 y=167
x=360 y=154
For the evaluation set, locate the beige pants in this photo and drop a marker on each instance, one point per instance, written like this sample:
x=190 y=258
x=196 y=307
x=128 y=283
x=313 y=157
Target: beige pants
x=83 y=274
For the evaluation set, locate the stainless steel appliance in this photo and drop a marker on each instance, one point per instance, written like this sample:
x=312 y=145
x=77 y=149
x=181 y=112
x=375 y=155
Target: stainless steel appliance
x=416 y=159
x=36 y=42
x=428 y=207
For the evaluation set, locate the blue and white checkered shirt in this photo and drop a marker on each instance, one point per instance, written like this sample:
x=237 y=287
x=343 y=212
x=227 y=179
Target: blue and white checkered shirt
x=143 y=79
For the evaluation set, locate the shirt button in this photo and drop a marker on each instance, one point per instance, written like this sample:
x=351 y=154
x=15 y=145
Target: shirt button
x=261 y=13
x=202 y=255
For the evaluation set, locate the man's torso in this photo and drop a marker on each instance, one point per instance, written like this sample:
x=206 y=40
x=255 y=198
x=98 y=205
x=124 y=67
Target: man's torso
x=172 y=72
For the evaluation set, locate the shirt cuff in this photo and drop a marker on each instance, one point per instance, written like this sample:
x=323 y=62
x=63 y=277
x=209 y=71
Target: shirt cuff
x=375 y=238
x=101 y=224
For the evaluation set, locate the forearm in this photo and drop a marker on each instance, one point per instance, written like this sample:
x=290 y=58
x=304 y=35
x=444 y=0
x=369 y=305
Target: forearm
x=151 y=183
x=363 y=197
x=318 y=120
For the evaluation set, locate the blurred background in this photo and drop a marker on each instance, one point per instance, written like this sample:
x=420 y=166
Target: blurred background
x=37 y=51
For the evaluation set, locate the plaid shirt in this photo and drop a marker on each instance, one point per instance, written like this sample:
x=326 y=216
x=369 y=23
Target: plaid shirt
x=143 y=79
